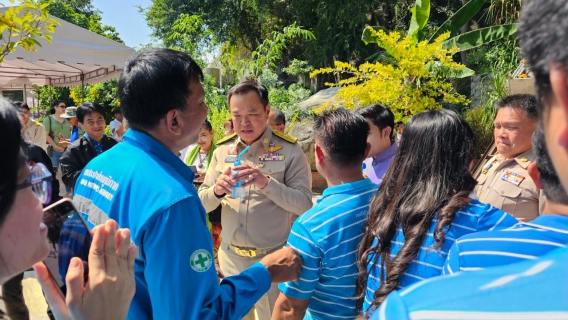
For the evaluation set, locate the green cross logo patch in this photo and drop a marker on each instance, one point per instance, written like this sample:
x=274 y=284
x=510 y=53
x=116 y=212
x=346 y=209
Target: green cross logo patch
x=200 y=260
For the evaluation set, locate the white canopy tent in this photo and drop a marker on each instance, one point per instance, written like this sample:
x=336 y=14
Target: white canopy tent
x=75 y=56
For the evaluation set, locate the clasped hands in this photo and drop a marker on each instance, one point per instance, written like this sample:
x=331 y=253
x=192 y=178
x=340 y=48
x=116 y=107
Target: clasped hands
x=247 y=173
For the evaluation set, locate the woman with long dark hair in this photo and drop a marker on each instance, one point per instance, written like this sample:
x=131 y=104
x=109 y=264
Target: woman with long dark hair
x=423 y=205
x=23 y=238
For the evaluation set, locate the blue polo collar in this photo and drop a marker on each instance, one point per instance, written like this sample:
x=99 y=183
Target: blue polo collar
x=147 y=143
x=553 y=222
x=349 y=187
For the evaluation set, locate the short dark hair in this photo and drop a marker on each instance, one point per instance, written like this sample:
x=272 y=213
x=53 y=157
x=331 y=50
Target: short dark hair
x=56 y=103
x=544 y=39
x=525 y=102
x=117 y=111
x=88 y=108
x=207 y=125
x=380 y=115
x=343 y=135
x=278 y=116
x=153 y=83
x=22 y=105
x=551 y=185
x=248 y=86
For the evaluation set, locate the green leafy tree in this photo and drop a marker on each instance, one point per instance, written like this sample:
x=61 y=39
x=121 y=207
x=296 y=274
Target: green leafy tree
x=335 y=24
x=103 y=93
x=22 y=25
x=48 y=94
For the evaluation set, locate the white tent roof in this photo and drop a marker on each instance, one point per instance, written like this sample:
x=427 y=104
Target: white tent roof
x=74 y=56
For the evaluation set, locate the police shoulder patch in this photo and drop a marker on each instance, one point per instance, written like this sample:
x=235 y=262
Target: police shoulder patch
x=227 y=138
x=285 y=137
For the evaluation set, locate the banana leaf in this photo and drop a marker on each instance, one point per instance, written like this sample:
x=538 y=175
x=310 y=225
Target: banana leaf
x=459 y=19
x=420 y=16
x=479 y=37
x=438 y=69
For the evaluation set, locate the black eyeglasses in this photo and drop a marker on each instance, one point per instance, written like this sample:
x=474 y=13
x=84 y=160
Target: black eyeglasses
x=40 y=181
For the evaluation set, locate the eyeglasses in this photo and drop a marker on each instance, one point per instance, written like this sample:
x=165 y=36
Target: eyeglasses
x=62 y=106
x=40 y=181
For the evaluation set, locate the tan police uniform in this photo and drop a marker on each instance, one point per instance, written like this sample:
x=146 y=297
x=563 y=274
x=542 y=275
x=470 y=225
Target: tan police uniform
x=506 y=184
x=35 y=133
x=259 y=223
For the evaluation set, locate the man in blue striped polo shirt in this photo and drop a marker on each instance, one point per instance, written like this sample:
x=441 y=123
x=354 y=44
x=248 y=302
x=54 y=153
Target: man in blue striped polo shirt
x=327 y=235
x=523 y=241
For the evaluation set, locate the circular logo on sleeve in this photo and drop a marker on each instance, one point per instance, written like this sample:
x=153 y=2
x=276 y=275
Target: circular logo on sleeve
x=200 y=260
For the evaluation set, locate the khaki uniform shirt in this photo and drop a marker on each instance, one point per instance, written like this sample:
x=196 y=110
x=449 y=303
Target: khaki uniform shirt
x=35 y=133
x=506 y=184
x=261 y=219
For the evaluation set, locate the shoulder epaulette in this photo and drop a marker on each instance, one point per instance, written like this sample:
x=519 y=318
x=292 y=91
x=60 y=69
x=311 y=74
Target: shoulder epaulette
x=227 y=138
x=36 y=123
x=285 y=136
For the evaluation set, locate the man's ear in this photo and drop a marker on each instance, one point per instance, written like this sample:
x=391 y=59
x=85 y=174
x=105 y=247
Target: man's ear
x=367 y=150
x=532 y=169
x=319 y=154
x=267 y=109
x=387 y=132
x=173 y=122
x=559 y=84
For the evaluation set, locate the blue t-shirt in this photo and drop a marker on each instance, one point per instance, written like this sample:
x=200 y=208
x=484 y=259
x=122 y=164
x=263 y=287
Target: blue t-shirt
x=327 y=236
x=146 y=188
x=523 y=241
x=474 y=217
x=528 y=290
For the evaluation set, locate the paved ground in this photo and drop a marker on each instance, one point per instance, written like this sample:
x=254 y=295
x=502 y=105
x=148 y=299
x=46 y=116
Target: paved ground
x=32 y=290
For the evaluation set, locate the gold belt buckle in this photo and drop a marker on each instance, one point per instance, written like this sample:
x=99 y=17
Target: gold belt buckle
x=246 y=253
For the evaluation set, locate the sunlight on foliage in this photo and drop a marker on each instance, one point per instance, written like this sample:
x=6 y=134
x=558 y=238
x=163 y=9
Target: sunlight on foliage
x=414 y=80
x=22 y=25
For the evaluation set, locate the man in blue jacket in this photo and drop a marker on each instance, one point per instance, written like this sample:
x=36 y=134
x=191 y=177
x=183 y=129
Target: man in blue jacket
x=144 y=186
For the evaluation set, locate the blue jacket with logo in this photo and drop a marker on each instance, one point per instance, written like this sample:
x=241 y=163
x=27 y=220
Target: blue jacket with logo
x=146 y=188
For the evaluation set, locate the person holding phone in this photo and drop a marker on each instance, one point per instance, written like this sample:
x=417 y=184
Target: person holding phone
x=23 y=238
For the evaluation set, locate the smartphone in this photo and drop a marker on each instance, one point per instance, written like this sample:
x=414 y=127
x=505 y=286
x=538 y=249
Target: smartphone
x=68 y=236
x=193 y=168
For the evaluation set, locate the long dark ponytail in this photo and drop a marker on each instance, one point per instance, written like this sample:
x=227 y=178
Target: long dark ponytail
x=429 y=177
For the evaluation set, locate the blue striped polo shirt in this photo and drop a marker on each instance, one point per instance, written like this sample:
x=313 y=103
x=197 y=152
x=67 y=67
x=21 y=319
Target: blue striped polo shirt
x=474 y=217
x=535 y=289
x=523 y=241
x=327 y=236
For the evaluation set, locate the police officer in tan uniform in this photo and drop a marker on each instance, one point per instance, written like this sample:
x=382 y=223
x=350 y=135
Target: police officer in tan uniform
x=32 y=131
x=277 y=187
x=504 y=181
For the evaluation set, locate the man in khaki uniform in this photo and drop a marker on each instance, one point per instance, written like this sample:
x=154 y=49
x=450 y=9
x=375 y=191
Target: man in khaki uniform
x=32 y=131
x=277 y=183
x=504 y=181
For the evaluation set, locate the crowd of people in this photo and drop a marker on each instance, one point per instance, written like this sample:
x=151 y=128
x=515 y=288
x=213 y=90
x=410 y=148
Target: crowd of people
x=226 y=229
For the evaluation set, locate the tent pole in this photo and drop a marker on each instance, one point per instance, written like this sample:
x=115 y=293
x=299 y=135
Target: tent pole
x=25 y=98
x=82 y=87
